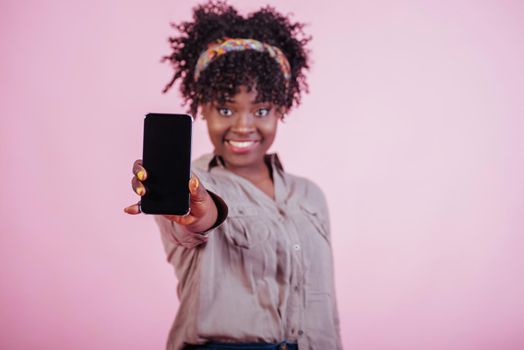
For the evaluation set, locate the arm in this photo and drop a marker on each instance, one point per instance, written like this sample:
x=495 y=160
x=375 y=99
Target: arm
x=324 y=211
x=206 y=210
x=186 y=236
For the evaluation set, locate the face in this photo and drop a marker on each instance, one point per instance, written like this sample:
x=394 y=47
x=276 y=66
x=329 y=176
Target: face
x=241 y=129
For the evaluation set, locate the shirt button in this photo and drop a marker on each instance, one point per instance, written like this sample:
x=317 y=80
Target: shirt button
x=296 y=247
x=300 y=332
x=296 y=289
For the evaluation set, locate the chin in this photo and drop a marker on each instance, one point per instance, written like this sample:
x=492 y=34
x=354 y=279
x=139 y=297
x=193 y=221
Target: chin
x=243 y=160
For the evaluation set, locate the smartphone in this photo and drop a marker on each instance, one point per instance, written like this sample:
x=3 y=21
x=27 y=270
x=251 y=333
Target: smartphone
x=167 y=159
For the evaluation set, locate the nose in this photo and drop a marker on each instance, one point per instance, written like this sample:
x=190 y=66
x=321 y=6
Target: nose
x=244 y=123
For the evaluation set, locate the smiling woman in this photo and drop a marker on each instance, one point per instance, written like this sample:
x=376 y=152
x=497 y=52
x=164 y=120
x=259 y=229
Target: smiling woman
x=253 y=257
x=242 y=131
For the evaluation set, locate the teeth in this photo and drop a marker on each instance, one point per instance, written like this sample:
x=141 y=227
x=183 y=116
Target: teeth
x=241 y=144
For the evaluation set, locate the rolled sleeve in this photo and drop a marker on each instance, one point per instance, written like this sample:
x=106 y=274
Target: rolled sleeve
x=179 y=235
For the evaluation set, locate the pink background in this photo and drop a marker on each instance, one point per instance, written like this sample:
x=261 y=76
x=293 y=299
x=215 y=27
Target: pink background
x=414 y=129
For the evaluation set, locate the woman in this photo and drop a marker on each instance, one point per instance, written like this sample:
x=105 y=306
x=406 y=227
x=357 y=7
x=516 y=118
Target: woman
x=253 y=257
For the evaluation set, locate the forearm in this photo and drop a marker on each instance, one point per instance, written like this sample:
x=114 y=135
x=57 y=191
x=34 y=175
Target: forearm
x=190 y=236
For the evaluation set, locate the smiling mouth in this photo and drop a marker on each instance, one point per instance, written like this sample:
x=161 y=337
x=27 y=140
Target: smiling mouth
x=241 y=146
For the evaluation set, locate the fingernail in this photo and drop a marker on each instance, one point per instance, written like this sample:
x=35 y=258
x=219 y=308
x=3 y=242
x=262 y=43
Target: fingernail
x=140 y=191
x=193 y=184
x=141 y=175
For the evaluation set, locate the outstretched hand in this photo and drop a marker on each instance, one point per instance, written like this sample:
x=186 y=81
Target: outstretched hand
x=202 y=209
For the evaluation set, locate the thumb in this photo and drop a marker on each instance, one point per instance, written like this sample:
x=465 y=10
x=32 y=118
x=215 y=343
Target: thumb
x=197 y=190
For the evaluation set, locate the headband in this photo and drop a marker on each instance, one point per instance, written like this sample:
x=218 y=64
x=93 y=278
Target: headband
x=216 y=50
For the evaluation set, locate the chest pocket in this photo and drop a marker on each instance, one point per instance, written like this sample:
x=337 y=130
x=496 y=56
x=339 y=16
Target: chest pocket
x=246 y=227
x=314 y=217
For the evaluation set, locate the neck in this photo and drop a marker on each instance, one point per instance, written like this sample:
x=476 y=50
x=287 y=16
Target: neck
x=256 y=174
x=259 y=175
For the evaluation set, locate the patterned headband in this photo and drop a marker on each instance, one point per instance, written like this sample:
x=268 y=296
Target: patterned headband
x=228 y=45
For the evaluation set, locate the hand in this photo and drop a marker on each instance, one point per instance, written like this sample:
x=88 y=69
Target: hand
x=202 y=209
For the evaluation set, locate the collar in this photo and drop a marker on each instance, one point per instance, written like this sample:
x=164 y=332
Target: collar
x=270 y=158
x=210 y=161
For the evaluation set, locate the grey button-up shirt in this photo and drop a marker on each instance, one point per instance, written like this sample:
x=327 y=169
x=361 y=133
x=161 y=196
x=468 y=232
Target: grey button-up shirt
x=265 y=274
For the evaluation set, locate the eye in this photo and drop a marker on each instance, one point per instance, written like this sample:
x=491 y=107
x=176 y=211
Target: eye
x=262 y=112
x=224 y=111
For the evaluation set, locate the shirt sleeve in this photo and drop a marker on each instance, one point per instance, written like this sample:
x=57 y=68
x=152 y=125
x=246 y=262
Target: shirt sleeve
x=336 y=319
x=320 y=199
x=179 y=235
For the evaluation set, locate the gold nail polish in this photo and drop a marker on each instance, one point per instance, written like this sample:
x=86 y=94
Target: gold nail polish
x=194 y=184
x=140 y=175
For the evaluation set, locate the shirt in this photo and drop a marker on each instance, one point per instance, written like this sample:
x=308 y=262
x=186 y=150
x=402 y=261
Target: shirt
x=265 y=274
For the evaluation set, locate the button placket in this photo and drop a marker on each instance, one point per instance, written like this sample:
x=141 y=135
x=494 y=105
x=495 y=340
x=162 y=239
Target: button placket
x=281 y=214
x=295 y=248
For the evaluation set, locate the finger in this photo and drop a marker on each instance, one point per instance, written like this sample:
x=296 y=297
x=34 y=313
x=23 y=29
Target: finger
x=133 y=209
x=138 y=186
x=139 y=171
x=182 y=220
x=197 y=190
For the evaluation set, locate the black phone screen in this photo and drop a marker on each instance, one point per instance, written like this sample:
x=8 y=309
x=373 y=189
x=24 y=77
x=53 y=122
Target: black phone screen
x=167 y=160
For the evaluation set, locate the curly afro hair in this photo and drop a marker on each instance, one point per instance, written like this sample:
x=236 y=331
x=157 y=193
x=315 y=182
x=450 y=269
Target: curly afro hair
x=216 y=20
